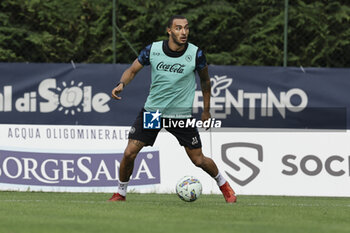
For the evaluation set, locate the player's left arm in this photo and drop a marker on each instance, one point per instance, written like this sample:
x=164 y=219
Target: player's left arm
x=202 y=69
x=206 y=88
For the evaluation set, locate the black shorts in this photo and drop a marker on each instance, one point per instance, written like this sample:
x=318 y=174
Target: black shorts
x=186 y=136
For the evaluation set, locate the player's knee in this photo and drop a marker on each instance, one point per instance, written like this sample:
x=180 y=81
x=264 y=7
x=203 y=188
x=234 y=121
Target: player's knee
x=198 y=161
x=130 y=154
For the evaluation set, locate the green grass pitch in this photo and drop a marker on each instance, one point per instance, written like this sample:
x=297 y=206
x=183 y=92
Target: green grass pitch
x=166 y=213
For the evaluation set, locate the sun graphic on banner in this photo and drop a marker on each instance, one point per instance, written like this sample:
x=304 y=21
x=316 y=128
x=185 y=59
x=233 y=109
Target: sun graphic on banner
x=70 y=97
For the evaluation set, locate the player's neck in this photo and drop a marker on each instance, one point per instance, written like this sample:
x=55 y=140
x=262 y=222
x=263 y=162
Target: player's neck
x=175 y=47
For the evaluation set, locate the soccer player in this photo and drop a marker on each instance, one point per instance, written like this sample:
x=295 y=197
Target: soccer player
x=173 y=65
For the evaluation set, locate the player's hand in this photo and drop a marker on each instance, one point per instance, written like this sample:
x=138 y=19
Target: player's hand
x=116 y=91
x=205 y=117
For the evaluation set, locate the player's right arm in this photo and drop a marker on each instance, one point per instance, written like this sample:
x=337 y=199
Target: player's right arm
x=126 y=78
x=130 y=73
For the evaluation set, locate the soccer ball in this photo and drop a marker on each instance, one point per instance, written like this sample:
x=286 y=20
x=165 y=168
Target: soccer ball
x=188 y=188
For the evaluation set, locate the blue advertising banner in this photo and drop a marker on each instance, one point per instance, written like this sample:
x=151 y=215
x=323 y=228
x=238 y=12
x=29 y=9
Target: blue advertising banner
x=66 y=94
x=277 y=97
x=253 y=97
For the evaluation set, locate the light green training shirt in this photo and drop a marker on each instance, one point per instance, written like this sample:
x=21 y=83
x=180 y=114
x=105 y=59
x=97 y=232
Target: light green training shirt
x=173 y=82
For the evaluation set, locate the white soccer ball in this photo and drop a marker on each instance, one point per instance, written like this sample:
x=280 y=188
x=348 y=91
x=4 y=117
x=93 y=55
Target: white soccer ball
x=189 y=188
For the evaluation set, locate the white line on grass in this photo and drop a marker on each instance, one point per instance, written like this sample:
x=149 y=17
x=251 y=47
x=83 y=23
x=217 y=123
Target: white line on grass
x=84 y=202
x=247 y=204
x=297 y=204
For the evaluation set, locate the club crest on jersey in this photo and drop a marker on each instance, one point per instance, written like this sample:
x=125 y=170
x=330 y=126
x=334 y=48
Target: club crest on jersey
x=173 y=68
x=188 y=58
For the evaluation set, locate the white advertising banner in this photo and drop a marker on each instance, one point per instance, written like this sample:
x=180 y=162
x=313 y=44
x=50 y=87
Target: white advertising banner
x=87 y=158
x=285 y=163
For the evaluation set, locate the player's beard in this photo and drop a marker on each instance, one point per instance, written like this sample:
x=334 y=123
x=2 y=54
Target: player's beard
x=176 y=41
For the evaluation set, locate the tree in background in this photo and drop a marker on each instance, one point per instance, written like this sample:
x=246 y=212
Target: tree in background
x=55 y=31
x=244 y=32
x=319 y=33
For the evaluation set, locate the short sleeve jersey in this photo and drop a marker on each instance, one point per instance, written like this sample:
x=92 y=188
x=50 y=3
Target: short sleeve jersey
x=173 y=78
x=144 y=55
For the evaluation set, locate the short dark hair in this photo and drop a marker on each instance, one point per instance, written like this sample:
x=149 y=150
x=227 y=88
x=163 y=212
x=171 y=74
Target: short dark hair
x=170 y=21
